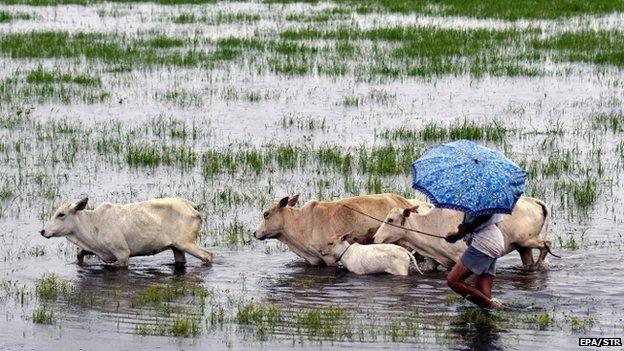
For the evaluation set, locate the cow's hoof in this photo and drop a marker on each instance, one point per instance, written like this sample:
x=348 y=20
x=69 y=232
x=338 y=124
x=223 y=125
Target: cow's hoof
x=528 y=267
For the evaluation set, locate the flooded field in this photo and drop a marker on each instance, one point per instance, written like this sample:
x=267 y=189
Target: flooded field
x=233 y=104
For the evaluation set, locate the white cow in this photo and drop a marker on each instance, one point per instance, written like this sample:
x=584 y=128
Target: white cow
x=117 y=232
x=525 y=229
x=370 y=259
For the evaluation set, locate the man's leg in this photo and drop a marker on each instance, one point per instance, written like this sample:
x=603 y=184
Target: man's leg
x=455 y=280
x=484 y=284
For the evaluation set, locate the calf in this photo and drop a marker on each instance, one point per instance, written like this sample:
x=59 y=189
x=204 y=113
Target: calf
x=117 y=232
x=370 y=259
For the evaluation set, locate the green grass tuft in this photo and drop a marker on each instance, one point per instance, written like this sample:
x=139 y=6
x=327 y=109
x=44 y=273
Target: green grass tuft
x=49 y=287
x=42 y=76
x=493 y=131
x=591 y=46
x=6 y=17
x=519 y=9
x=42 y=315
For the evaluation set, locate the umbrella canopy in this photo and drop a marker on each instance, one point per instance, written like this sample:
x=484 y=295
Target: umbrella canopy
x=465 y=176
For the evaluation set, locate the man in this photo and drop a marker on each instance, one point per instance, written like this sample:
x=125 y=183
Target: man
x=485 y=244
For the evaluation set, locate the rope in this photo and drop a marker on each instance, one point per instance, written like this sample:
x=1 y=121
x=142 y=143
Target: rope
x=392 y=224
x=413 y=230
x=344 y=252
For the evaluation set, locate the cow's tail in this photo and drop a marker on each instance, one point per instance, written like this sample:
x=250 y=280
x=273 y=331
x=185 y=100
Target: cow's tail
x=413 y=259
x=198 y=207
x=544 y=235
x=544 y=232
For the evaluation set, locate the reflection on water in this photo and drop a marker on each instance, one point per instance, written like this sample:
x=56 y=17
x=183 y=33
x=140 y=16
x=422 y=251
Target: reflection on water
x=477 y=338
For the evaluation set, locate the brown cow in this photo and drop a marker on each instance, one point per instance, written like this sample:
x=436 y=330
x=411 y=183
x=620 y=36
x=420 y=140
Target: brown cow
x=307 y=230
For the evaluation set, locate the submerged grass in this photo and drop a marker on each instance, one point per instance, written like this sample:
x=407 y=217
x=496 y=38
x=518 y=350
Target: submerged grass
x=156 y=294
x=42 y=86
x=542 y=320
x=11 y=16
x=251 y=312
x=391 y=51
x=330 y=322
x=110 y=48
x=326 y=15
x=591 y=46
x=582 y=194
x=218 y=18
x=387 y=160
x=492 y=131
x=184 y=327
x=91 y=2
x=43 y=315
x=530 y=9
x=612 y=121
x=426 y=51
x=43 y=76
x=50 y=287
x=154 y=155
x=472 y=8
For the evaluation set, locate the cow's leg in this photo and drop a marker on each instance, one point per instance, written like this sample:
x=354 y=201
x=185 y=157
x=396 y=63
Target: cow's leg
x=526 y=255
x=403 y=269
x=193 y=249
x=430 y=264
x=178 y=256
x=542 y=257
x=81 y=255
x=122 y=258
x=398 y=267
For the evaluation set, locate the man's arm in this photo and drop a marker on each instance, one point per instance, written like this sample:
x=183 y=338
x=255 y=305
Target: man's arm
x=477 y=222
x=464 y=228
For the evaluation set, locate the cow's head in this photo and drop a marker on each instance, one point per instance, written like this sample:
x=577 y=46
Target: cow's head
x=392 y=230
x=336 y=245
x=272 y=224
x=63 y=221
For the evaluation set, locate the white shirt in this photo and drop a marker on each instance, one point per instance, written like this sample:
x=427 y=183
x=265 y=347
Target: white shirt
x=487 y=238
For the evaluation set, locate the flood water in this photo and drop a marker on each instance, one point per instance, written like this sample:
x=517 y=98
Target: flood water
x=579 y=284
x=581 y=293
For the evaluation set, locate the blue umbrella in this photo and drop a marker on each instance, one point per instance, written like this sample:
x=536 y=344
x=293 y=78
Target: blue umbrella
x=465 y=176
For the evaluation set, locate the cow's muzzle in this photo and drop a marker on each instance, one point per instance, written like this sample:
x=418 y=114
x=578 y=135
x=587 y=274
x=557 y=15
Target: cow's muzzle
x=264 y=237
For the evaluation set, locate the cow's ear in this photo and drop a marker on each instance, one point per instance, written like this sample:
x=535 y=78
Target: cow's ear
x=407 y=212
x=293 y=200
x=81 y=205
x=283 y=202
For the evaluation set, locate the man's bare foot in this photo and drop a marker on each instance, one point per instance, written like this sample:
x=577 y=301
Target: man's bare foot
x=496 y=303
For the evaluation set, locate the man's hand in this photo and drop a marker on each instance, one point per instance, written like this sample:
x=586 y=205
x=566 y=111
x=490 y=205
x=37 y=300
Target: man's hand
x=463 y=228
x=452 y=237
